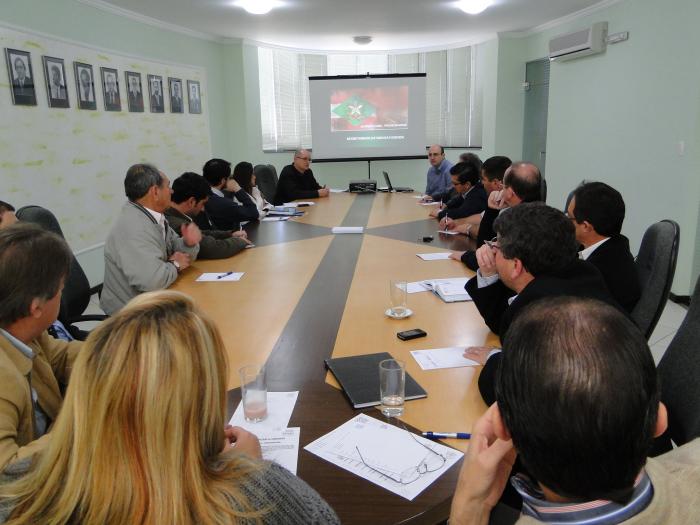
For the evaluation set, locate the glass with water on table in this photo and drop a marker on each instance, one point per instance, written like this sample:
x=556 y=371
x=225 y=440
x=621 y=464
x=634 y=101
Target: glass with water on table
x=392 y=386
x=253 y=392
x=397 y=298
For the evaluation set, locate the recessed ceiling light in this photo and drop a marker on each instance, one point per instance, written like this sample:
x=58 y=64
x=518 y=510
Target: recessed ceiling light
x=474 y=7
x=362 y=40
x=258 y=7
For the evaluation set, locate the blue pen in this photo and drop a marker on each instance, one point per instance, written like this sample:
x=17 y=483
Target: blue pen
x=224 y=275
x=447 y=435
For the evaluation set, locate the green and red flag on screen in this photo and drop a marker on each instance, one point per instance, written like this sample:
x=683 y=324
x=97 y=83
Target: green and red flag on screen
x=355 y=110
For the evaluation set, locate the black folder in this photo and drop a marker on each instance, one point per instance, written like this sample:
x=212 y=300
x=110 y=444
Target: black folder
x=359 y=377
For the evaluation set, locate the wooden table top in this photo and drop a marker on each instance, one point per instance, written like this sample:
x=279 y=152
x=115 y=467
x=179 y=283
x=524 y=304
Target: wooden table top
x=308 y=295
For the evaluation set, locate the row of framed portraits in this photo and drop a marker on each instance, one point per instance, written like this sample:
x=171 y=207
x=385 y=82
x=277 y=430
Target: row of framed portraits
x=21 y=75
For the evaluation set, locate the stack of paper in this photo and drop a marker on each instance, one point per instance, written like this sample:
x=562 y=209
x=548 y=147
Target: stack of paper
x=452 y=357
x=348 y=229
x=278 y=443
x=439 y=256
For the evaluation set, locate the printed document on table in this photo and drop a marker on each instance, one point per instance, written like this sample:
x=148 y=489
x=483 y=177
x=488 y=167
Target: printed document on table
x=279 y=411
x=348 y=229
x=448 y=232
x=274 y=219
x=298 y=204
x=281 y=447
x=438 y=256
x=384 y=448
x=220 y=277
x=436 y=358
x=415 y=287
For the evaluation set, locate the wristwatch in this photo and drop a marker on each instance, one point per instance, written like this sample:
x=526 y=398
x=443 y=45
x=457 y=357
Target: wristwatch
x=175 y=264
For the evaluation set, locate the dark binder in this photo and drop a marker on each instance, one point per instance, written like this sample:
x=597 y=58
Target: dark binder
x=359 y=377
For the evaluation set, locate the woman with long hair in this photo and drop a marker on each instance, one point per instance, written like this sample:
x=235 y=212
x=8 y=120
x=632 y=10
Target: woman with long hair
x=141 y=440
x=244 y=175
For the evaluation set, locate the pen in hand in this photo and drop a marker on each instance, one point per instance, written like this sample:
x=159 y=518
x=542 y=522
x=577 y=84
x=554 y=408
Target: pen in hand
x=447 y=435
x=224 y=275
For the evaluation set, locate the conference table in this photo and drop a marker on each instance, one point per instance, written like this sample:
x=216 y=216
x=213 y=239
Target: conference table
x=307 y=295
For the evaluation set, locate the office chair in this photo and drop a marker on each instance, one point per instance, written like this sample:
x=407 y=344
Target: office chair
x=77 y=291
x=266 y=179
x=656 y=266
x=679 y=370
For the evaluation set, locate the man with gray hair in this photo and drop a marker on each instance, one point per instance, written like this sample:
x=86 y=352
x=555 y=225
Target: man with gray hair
x=142 y=252
x=297 y=180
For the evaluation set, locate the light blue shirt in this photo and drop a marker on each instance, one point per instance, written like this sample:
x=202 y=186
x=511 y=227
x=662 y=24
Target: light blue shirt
x=439 y=179
x=41 y=420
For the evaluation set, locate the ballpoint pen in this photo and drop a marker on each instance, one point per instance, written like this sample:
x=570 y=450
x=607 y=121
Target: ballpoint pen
x=224 y=275
x=447 y=435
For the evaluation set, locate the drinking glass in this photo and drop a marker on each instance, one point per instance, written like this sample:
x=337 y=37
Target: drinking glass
x=253 y=392
x=392 y=385
x=397 y=298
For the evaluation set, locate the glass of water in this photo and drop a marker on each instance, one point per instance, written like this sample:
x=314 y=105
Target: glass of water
x=397 y=297
x=392 y=386
x=253 y=392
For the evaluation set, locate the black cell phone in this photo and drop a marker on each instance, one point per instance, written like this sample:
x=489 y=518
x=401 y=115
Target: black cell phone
x=411 y=334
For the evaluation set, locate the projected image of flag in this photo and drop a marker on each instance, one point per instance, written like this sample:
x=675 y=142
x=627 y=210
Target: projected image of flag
x=369 y=109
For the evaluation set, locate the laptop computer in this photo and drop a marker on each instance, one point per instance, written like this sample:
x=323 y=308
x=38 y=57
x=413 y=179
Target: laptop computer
x=391 y=188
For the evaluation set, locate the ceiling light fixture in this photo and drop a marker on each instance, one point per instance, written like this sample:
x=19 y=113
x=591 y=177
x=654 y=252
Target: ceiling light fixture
x=258 y=7
x=362 y=40
x=474 y=7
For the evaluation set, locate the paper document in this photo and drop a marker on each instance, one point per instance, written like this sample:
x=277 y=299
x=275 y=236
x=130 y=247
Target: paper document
x=220 y=277
x=298 y=204
x=279 y=410
x=448 y=232
x=348 y=229
x=442 y=358
x=438 y=256
x=336 y=190
x=416 y=287
x=432 y=203
x=449 y=290
x=281 y=447
x=379 y=452
x=274 y=219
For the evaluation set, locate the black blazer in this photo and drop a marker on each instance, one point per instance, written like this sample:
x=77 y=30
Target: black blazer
x=486 y=233
x=615 y=262
x=225 y=214
x=293 y=185
x=460 y=207
x=578 y=279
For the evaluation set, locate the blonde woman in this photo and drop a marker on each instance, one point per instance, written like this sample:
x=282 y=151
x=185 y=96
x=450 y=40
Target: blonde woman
x=140 y=438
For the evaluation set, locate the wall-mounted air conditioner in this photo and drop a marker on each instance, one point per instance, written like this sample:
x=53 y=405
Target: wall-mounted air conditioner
x=581 y=43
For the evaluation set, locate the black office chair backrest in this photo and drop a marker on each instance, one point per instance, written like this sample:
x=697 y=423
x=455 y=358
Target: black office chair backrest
x=679 y=372
x=266 y=179
x=76 y=291
x=543 y=190
x=656 y=266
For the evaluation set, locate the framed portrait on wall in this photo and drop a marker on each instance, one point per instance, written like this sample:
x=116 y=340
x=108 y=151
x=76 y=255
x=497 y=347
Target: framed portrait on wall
x=21 y=75
x=177 y=104
x=194 y=97
x=135 y=92
x=110 y=89
x=155 y=92
x=84 y=85
x=56 y=82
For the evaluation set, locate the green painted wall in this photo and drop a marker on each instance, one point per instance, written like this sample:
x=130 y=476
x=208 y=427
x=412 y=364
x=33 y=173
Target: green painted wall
x=619 y=117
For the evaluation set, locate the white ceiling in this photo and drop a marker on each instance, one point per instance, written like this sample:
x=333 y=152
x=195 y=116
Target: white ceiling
x=329 y=25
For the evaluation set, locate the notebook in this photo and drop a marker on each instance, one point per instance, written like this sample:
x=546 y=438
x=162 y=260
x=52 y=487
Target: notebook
x=359 y=377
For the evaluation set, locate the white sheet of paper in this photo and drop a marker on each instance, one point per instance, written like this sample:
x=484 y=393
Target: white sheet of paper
x=280 y=406
x=436 y=358
x=298 y=204
x=336 y=190
x=418 y=196
x=281 y=447
x=448 y=232
x=384 y=447
x=220 y=277
x=416 y=287
x=428 y=203
x=437 y=256
x=348 y=229
x=274 y=219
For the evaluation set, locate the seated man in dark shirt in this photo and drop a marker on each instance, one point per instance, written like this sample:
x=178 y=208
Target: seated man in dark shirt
x=297 y=181
x=597 y=211
x=470 y=198
x=535 y=256
x=522 y=182
x=223 y=212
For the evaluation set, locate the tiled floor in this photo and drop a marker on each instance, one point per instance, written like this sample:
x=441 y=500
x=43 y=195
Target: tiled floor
x=670 y=321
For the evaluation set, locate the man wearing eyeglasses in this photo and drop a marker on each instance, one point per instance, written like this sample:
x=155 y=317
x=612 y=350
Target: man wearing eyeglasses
x=297 y=180
x=535 y=255
x=439 y=182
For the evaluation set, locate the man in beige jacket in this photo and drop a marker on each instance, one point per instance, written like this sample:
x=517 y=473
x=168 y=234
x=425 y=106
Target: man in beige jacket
x=578 y=402
x=34 y=367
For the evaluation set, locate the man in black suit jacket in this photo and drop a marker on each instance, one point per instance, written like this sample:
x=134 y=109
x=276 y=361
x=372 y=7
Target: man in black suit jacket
x=223 y=212
x=297 y=181
x=470 y=198
x=522 y=182
x=535 y=257
x=597 y=212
